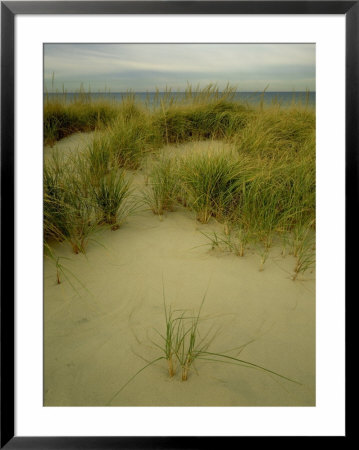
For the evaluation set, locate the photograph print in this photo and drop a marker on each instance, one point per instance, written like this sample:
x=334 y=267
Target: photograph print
x=179 y=215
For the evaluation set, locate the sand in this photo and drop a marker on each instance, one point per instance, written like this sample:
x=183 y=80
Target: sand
x=77 y=142
x=99 y=323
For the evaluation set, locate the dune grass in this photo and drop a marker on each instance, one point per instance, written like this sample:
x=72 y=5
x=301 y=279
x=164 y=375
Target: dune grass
x=202 y=114
x=210 y=182
x=214 y=120
x=162 y=186
x=260 y=190
x=263 y=187
x=129 y=141
x=63 y=117
x=82 y=193
x=184 y=343
x=274 y=198
x=234 y=239
x=99 y=156
x=303 y=248
x=273 y=130
x=110 y=196
x=68 y=214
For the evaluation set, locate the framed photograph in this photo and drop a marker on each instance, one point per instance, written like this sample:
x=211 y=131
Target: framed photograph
x=176 y=186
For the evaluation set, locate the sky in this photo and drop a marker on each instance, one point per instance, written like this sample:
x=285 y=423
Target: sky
x=145 y=67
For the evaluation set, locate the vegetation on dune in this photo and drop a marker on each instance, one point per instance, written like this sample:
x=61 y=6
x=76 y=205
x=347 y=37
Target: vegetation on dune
x=263 y=188
x=181 y=123
x=210 y=184
x=161 y=193
x=62 y=118
x=260 y=188
x=110 y=196
x=273 y=130
x=99 y=156
x=185 y=342
x=81 y=195
x=129 y=141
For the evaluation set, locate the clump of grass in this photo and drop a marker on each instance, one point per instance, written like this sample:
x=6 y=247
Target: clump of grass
x=63 y=117
x=190 y=345
x=270 y=132
x=193 y=122
x=197 y=114
x=169 y=336
x=303 y=249
x=129 y=142
x=80 y=222
x=210 y=184
x=54 y=208
x=54 y=219
x=265 y=188
x=110 y=196
x=184 y=342
x=214 y=238
x=129 y=109
x=276 y=197
x=259 y=203
x=172 y=337
x=162 y=189
x=99 y=157
x=234 y=240
x=68 y=210
x=60 y=270
x=302 y=234
x=82 y=192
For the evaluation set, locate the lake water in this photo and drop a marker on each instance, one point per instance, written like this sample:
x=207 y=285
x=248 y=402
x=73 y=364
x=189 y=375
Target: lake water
x=251 y=98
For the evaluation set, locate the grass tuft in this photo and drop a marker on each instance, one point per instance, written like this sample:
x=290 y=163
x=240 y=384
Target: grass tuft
x=184 y=343
x=110 y=196
x=161 y=193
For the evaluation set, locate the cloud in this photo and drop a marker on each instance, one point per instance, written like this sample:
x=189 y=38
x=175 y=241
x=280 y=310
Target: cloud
x=147 y=66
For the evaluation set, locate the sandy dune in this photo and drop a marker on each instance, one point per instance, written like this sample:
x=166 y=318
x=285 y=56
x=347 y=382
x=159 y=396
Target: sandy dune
x=99 y=322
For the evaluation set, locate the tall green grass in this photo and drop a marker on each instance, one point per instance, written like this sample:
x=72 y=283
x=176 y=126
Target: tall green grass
x=185 y=342
x=161 y=192
x=202 y=114
x=54 y=191
x=210 y=184
x=99 y=156
x=62 y=118
x=181 y=123
x=274 y=130
x=68 y=215
x=264 y=187
x=82 y=193
x=110 y=195
x=129 y=141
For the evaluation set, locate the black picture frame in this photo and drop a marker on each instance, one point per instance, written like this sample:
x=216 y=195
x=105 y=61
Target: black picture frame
x=8 y=12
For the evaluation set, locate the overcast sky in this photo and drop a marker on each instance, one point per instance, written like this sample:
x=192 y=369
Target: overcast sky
x=145 y=67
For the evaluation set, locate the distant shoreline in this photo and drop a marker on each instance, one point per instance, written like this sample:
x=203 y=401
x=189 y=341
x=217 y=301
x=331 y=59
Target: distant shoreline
x=284 y=98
